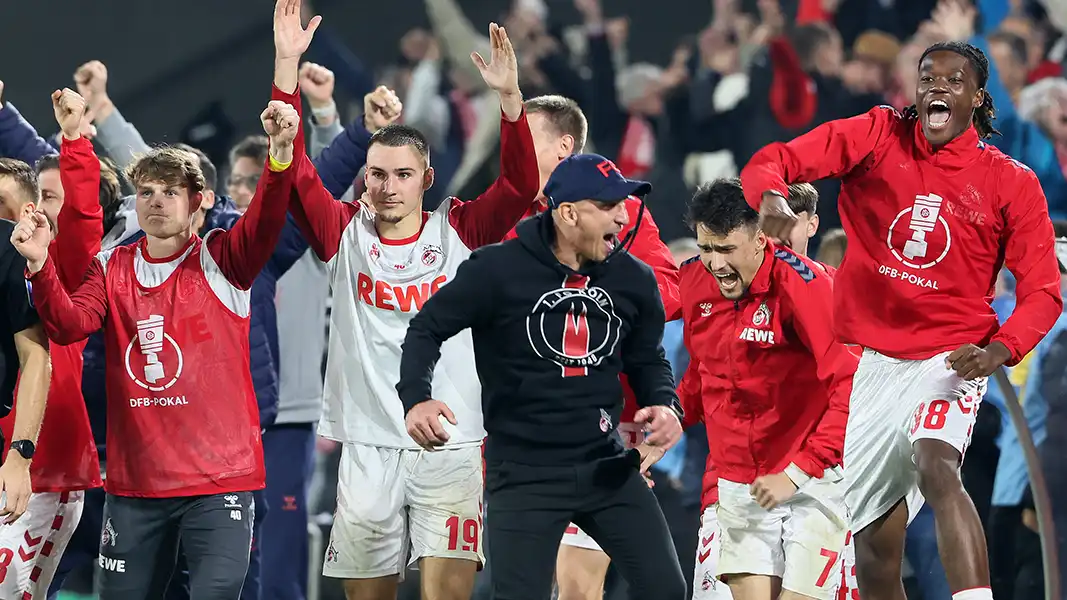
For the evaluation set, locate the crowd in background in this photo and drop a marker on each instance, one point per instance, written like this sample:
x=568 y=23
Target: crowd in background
x=758 y=72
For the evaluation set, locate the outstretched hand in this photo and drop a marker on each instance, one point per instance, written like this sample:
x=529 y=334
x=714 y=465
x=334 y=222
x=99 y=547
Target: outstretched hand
x=291 y=39
x=501 y=73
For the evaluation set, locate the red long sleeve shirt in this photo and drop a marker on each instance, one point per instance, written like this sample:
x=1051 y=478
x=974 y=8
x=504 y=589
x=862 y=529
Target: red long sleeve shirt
x=765 y=373
x=66 y=459
x=929 y=230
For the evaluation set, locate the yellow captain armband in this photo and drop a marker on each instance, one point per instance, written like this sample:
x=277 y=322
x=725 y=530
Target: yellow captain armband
x=277 y=166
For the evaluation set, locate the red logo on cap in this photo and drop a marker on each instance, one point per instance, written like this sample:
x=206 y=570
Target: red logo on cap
x=606 y=167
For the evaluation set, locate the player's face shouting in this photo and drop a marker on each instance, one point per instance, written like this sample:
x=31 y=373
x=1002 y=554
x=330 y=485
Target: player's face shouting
x=733 y=259
x=946 y=96
x=396 y=179
x=598 y=225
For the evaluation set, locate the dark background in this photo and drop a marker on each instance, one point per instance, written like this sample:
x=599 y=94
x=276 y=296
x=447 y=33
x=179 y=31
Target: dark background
x=167 y=60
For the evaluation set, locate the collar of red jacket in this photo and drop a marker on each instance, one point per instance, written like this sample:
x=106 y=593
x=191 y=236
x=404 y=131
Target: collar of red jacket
x=762 y=281
x=956 y=154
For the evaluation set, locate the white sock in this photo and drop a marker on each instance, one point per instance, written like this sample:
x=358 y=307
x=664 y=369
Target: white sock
x=982 y=593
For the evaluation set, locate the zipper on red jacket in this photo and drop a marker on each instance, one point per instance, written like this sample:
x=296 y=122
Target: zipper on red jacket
x=748 y=410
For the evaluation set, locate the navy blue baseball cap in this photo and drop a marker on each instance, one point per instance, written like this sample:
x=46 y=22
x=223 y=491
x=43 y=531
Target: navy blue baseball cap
x=591 y=177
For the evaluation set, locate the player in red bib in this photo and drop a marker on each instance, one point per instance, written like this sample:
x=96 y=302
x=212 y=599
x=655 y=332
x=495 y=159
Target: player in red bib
x=184 y=435
x=559 y=129
x=932 y=214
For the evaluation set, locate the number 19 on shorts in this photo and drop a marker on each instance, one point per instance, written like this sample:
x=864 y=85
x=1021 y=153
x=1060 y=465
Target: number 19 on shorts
x=462 y=533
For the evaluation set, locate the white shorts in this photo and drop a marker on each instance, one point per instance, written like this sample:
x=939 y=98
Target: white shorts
x=894 y=403
x=397 y=506
x=846 y=587
x=30 y=548
x=799 y=541
x=706 y=584
x=632 y=435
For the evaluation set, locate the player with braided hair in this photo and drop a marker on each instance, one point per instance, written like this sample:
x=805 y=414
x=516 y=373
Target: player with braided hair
x=984 y=113
x=932 y=214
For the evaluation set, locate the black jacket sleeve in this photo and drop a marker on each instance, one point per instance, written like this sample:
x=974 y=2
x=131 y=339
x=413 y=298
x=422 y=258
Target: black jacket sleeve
x=461 y=303
x=14 y=289
x=643 y=358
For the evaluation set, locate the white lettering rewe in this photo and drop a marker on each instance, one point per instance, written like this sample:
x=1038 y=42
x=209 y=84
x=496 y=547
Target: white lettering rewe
x=158 y=401
x=751 y=334
x=112 y=564
x=911 y=278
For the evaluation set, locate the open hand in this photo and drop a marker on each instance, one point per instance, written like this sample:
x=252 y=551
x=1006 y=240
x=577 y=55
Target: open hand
x=15 y=481
x=317 y=83
x=971 y=362
x=662 y=424
x=771 y=490
x=424 y=423
x=30 y=238
x=380 y=108
x=501 y=73
x=290 y=38
x=70 y=108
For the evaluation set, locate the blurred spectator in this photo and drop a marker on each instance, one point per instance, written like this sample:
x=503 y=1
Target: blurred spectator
x=832 y=248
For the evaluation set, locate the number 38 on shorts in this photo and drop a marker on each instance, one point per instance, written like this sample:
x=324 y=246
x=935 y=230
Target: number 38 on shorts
x=947 y=420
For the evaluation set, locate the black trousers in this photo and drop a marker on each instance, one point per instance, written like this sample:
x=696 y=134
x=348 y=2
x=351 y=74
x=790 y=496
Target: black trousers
x=1015 y=567
x=139 y=545
x=528 y=509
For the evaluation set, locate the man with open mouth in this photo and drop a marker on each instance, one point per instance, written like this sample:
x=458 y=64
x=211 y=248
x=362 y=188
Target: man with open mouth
x=932 y=213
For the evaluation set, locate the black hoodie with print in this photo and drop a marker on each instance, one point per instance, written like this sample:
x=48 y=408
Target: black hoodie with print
x=549 y=346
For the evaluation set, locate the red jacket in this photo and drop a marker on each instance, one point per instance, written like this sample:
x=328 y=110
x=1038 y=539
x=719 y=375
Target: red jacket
x=649 y=249
x=765 y=373
x=66 y=458
x=929 y=230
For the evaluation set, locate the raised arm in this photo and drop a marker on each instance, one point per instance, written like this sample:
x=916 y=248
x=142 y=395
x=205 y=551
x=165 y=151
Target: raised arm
x=487 y=219
x=118 y=136
x=18 y=138
x=81 y=220
x=464 y=303
x=830 y=150
x=810 y=294
x=244 y=250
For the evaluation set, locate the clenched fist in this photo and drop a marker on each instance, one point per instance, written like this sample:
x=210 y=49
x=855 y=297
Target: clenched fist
x=281 y=123
x=91 y=81
x=70 y=108
x=776 y=219
x=30 y=238
x=317 y=82
x=380 y=108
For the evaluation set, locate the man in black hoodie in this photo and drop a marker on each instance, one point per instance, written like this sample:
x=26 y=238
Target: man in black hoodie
x=557 y=315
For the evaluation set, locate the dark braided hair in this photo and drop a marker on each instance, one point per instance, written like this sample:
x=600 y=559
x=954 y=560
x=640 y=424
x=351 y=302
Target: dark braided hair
x=985 y=113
